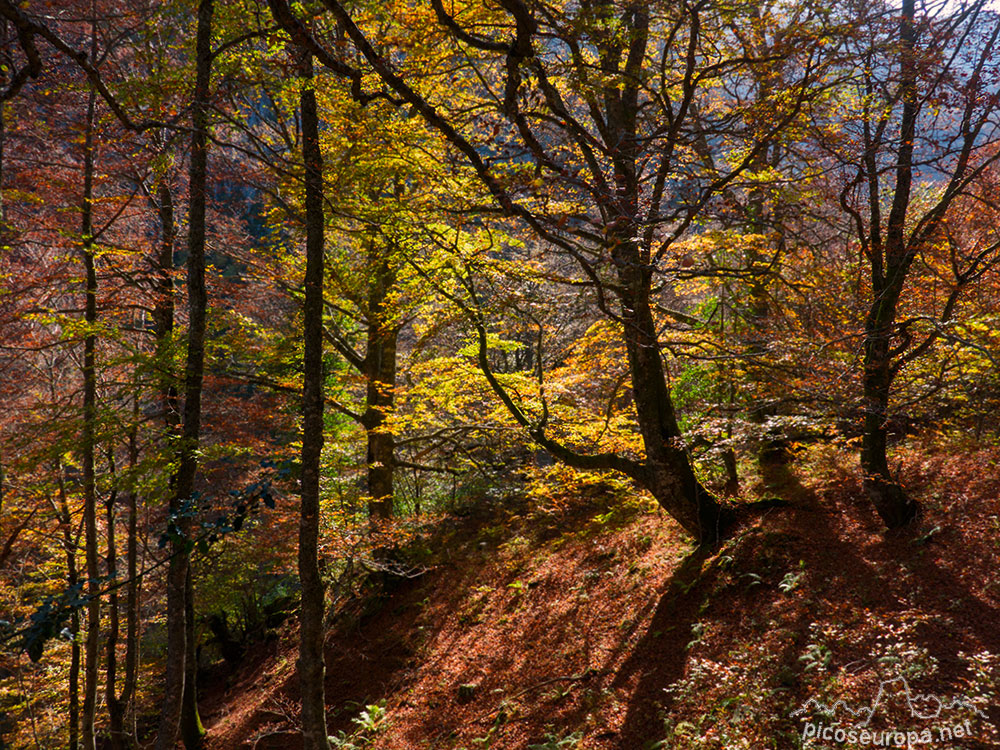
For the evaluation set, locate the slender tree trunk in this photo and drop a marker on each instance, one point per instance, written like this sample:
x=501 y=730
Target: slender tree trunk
x=380 y=373
x=177 y=574
x=91 y=646
x=163 y=325
x=114 y=620
x=3 y=243
x=163 y=328
x=121 y=709
x=192 y=730
x=311 y=663
x=163 y=308
x=72 y=578
x=890 y=500
x=3 y=143
x=3 y=234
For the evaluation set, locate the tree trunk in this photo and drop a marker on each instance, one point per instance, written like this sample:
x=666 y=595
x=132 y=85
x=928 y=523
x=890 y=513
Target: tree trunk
x=177 y=574
x=114 y=620
x=669 y=475
x=173 y=687
x=311 y=663
x=163 y=307
x=3 y=143
x=192 y=730
x=668 y=472
x=890 y=500
x=72 y=578
x=120 y=707
x=163 y=328
x=134 y=583
x=380 y=374
x=91 y=646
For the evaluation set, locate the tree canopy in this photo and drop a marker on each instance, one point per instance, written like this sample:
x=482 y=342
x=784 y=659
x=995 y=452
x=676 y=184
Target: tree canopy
x=281 y=282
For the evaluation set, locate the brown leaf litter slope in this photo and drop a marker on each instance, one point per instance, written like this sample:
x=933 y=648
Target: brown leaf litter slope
x=600 y=627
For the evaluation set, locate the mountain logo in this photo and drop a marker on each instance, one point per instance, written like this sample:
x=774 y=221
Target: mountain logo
x=921 y=706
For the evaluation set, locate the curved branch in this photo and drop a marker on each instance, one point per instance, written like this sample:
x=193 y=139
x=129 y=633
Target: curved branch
x=588 y=462
x=287 y=20
x=461 y=34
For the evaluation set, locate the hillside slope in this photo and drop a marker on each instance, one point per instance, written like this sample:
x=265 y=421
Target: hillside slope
x=600 y=626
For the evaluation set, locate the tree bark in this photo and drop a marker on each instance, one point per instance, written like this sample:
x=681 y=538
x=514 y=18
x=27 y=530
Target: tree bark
x=163 y=307
x=311 y=663
x=380 y=374
x=182 y=497
x=890 y=500
x=120 y=706
x=3 y=144
x=668 y=473
x=92 y=643
x=72 y=578
x=114 y=618
x=192 y=730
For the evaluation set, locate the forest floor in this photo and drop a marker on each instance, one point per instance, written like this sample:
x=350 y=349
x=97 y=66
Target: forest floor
x=598 y=625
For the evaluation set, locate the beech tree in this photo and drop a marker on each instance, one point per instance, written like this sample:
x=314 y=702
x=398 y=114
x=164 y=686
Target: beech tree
x=91 y=654
x=924 y=129
x=311 y=664
x=179 y=712
x=581 y=123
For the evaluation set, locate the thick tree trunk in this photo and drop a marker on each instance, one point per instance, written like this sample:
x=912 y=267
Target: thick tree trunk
x=173 y=681
x=177 y=574
x=92 y=643
x=380 y=373
x=669 y=475
x=890 y=500
x=311 y=664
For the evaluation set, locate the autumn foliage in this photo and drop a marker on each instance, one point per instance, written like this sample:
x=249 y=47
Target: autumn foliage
x=290 y=290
